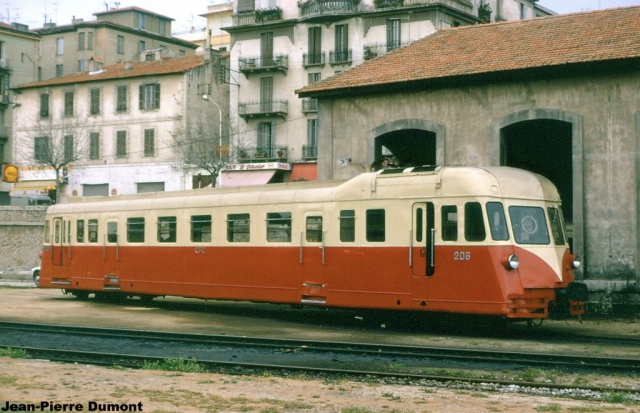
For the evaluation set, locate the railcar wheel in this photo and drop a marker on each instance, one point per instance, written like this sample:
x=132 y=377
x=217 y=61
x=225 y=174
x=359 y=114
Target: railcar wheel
x=534 y=322
x=36 y=277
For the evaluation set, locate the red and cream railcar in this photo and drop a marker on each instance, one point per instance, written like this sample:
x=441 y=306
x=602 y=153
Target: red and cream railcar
x=448 y=239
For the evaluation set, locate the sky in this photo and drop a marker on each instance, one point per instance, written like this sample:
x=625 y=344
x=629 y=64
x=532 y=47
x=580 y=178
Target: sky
x=186 y=12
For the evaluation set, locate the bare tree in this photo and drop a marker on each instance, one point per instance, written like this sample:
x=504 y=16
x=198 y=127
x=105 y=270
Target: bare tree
x=201 y=148
x=59 y=142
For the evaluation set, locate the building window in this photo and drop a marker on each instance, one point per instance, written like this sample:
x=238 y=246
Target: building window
x=375 y=225
x=81 y=41
x=266 y=137
x=90 y=41
x=120 y=45
x=68 y=148
x=94 y=107
x=121 y=143
x=150 y=96
x=94 y=145
x=135 y=229
x=266 y=47
x=142 y=21
x=393 y=34
x=44 y=105
x=315 y=45
x=314 y=77
x=342 y=43
x=122 y=93
x=81 y=65
x=39 y=73
x=149 y=142
x=312 y=136
x=279 y=227
x=161 y=28
x=60 y=45
x=59 y=70
x=142 y=46
x=201 y=228
x=41 y=149
x=238 y=228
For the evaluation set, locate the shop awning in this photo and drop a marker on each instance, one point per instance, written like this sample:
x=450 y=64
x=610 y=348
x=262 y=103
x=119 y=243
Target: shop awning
x=33 y=187
x=304 y=171
x=246 y=178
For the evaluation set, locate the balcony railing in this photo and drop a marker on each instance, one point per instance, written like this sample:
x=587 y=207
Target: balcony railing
x=263 y=154
x=255 y=64
x=265 y=108
x=309 y=152
x=260 y=16
x=323 y=7
x=462 y=5
x=379 y=49
x=312 y=59
x=340 y=57
x=309 y=105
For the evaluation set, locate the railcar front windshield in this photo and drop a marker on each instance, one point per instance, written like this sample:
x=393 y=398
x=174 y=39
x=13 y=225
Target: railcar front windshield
x=529 y=225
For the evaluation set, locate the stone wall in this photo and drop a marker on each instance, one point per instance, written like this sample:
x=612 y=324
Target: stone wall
x=21 y=230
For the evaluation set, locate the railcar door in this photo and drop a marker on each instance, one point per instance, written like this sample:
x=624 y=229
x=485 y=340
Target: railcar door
x=111 y=256
x=313 y=259
x=422 y=246
x=61 y=252
x=422 y=249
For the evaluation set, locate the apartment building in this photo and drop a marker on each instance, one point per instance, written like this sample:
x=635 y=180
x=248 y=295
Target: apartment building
x=278 y=46
x=116 y=129
x=211 y=35
x=116 y=36
x=18 y=62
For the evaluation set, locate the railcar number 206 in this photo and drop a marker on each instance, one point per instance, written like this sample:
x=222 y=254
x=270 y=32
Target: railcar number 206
x=462 y=255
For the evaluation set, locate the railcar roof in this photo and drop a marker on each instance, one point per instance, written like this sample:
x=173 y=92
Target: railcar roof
x=445 y=181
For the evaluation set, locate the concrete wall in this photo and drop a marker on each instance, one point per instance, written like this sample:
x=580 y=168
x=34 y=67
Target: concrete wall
x=21 y=231
x=604 y=111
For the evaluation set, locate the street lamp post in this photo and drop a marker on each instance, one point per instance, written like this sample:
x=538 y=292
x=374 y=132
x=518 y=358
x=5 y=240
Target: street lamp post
x=208 y=99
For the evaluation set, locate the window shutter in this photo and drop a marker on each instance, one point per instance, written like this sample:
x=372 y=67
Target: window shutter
x=141 y=97
x=157 y=102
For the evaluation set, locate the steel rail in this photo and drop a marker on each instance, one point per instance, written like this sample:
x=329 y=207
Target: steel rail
x=581 y=362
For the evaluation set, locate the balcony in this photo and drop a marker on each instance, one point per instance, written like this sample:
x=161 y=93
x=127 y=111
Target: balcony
x=340 y=57
x=378 y=49
x=263 y=154
x=461 y=5
x=261 y=16
x=324 y=8
x=309 y=105
x=264 y=109
x=309 y=152
x=256 y=64
x=312 y=60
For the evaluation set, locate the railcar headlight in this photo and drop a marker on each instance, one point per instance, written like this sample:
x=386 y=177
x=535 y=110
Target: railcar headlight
x=511 y=262
x=575 y=262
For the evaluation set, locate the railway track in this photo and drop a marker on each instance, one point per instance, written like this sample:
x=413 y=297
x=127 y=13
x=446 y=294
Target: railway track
x=133 y=348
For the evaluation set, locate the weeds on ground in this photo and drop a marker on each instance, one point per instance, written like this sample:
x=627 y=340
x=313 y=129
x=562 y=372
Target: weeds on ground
x=16 y=353
x=182 y=365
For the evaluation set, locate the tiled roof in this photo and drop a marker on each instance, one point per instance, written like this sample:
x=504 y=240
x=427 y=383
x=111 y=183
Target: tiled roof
x=490 y=49
x=119 y=71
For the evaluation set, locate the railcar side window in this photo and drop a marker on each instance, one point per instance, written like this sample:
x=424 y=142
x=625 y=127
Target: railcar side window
x=112 y=232
x=47 y=232
x=375 y=225
x=201 y=228
x=529 y=225
x=238 y=227
x=135 y=229
x=314 y=229
x=474 y=222
x=80 y=230
x=449 y=222
x=279 y=227
x=555 y=216
x=93 y=230
x=348 y=225
x=497 y=221
x=167 y=229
